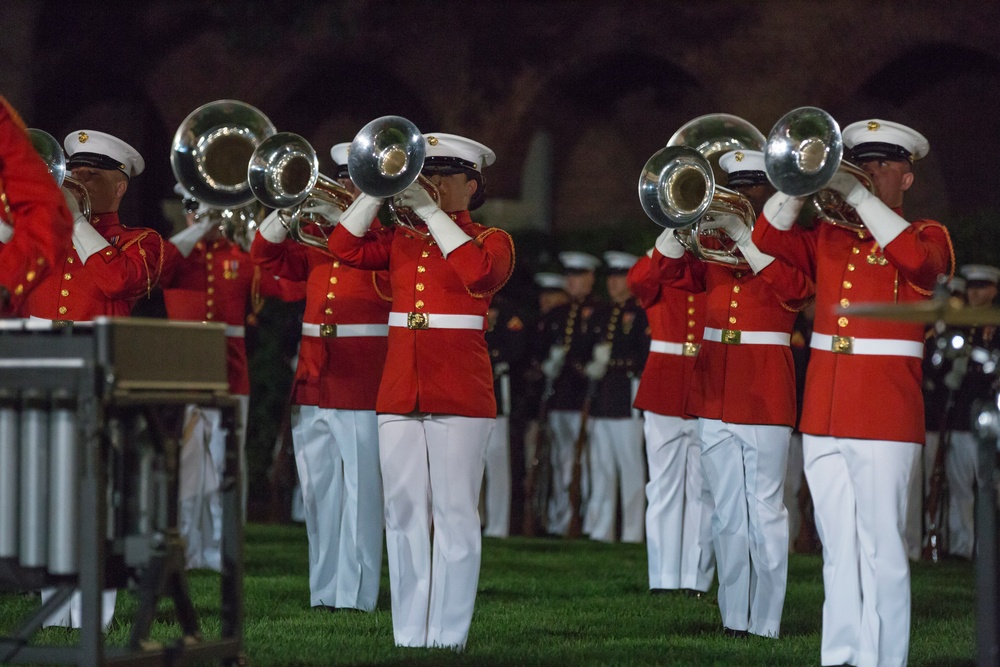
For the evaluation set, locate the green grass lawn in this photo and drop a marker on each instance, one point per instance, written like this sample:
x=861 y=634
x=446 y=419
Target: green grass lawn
x=541 y=602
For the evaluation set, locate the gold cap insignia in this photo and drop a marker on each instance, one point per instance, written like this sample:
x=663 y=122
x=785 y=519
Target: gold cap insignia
x=83 y=136
x=122 y=167
x=475 y=166
x=433 y=141
x=739 y=156
x=873 y=125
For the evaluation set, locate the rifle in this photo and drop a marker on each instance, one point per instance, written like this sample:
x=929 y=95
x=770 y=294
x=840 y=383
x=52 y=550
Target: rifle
x=579 y=447
x=536 y=456
x=937 y=486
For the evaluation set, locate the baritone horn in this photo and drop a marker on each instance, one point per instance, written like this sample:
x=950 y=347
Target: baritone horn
x=284 y=174
x=54 y=157
x=678 y=189
x=804 y=151
x=384 y=159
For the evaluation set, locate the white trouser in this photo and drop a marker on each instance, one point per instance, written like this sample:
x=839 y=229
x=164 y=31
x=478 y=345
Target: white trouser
x=679 y=511
x=745 y=468
x=920 y=485
x=432 y=470
x=859 y=490
x=564 y=426
x=616 y=462
x=498 y=482
x=68 y=615
x=962 y=468
x=793 y=484
x=336 y=455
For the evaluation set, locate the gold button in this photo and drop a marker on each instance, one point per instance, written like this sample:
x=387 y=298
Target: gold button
x=210 y=303
x=425 y=254
x=847 y=284
x=328 y=311
x=733 y=304
x=861 y=234
x=736 y=289
x=842 y=322
x=65 y=292
x=420 y=287
x=569 y=330
x=30 y=276
x=69 y=259
x=850 y=267
x=419 y=304
x=690 y=311
x=211 y=290
x=690 y=336
x=845 y=303
x=336 y=264
x=62 y=310
x=421 y=269
x=208 y=266
x=211 y=278
x=737 y=274
x=331 y=295
x=109 y=252
x=690 y=323
x=97 y=218
x=690 y=298
x=855 y=251
x=19 y=290
x=732 y=320
x=333 y=280
x=41 y=261
x=208 y=255
x=209 y=315
x=66 y=276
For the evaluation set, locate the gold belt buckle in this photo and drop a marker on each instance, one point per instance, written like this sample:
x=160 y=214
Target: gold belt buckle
x=691 y=349
x=730 y=336
x=60 y=324
x=417 y=321
x=842 y=345
x=328 y=331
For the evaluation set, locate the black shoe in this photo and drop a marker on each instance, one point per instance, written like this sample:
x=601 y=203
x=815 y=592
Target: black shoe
x=737 y=634
x=326 y=608
x=692 y=593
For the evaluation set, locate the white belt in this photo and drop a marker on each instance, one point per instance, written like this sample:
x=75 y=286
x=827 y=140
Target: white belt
x=876 y=346
x=737 y=337
x=344 y=330
x=235 y=331
x=40 y=323
x=434 y=321
x=678 y=349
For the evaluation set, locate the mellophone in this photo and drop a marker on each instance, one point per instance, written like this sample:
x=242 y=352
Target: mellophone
x=88 y=478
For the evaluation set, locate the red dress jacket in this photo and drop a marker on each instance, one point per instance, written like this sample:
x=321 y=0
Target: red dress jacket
x=443 y=371
x=863 y=396
x=111 y=281
x=744 y=383
x=212 y=284
x=32 y=204
x=675 y=317
x=332 y=372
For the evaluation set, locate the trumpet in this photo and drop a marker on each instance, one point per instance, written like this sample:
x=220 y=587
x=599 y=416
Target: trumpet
x=385 y=158
x=804 y=151
x=54 y=158
x=284 y=174
x=678 y=189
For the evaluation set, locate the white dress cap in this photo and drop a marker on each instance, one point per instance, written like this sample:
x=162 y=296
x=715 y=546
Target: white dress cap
x=549 y=280
x=981 y=272
x=339 y=153
x=876 y=138
x=103 y=151
x=453 y=150
x=619 y=261
x=573 y=260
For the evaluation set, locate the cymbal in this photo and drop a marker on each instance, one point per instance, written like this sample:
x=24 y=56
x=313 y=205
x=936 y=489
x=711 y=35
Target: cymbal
x=927 y=312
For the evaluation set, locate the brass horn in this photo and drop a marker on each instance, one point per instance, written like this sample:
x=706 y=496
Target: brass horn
x=284 y=174
x=54 y=157
x=804 y=151
x=385 y=158
x=211 y=151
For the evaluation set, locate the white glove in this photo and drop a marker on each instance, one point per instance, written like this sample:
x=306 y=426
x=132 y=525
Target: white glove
x=87 y=240
x=186 y=239
x=597 y=367
x=552 y=367
x=732 y=225
x=446 y=233
x=501 y=369
x=359 y=215
x=272 y=228
x=668 y=245
x=782 y=210
x=321 y=208
x=6 y=232
x=72 y=204
x=849 y=187
x=755 y=258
